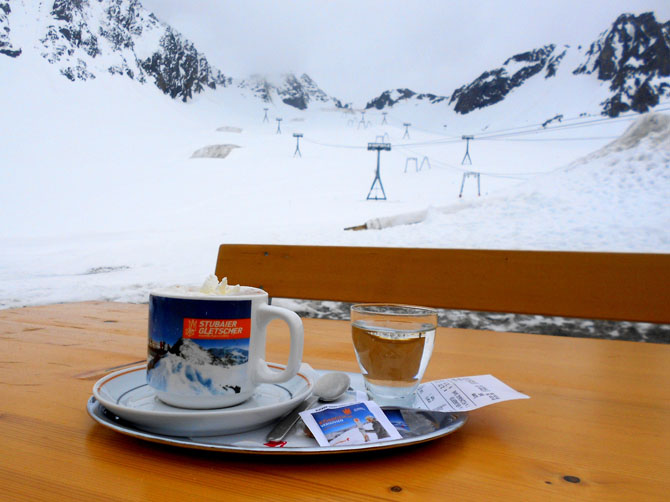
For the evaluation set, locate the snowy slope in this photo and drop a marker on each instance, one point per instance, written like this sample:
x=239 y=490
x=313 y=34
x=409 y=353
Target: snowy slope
x=100 y=197
x=613 y=199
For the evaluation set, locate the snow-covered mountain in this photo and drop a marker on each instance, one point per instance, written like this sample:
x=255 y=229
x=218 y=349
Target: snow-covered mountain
x=188 y=368
x=492 y=86
x=632 y=57
x=219 y=356
x=298 y=92
x=84 y=38
x=390 y=98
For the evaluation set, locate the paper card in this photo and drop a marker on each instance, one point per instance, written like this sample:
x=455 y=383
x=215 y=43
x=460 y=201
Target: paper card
x=464 y=393
x=349 y=424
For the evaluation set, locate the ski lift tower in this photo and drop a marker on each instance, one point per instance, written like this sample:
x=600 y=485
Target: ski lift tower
x=467 y=175
x=362 y=121
x=467 y=150
x=297 y=136
x=379 y=147
x=384 y=121
x=278 y=125
x=406 y=135
x=468 y=161
x=265 y=117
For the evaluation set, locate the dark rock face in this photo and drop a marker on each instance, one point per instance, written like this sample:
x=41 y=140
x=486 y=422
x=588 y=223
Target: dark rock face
x=553 y=62
x=557 y=118
x=70 y=36
x=6 y=46
x=125 y=24
x=179 y=70
x=390 y=98
x=492 y=86
x=86 y=37
x=634 y=56
x=386 y=99
x=293 y=93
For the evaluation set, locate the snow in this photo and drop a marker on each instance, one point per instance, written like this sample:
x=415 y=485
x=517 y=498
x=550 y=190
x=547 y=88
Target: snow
x=511 y=67
x=101 y=200
x=214 y=151
x=194 y=374
x=613 y=199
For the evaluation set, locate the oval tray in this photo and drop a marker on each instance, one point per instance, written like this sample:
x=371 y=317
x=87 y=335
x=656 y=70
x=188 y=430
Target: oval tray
x=254 y=441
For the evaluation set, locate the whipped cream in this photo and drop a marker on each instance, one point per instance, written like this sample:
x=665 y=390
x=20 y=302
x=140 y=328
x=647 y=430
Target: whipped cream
x=212 y=286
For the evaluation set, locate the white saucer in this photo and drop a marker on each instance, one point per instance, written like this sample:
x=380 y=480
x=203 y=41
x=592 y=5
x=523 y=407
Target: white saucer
x=127 y=394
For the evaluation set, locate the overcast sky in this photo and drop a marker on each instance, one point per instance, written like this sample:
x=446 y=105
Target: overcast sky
x=356 y=49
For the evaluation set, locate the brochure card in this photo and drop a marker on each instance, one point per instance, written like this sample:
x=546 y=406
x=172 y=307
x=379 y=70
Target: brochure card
x=464 y=393
x=349 y=424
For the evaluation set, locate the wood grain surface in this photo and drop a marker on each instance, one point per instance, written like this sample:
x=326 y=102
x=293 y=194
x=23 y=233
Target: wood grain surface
x=614 y=286
x=597 y=426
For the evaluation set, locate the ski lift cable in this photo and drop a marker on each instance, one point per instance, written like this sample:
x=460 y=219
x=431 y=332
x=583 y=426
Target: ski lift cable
x=591 y=138
x=596 y=119
x=552 y=129
x=418 y=128
x=446 y=165
x=501 y=135
x=542 y=127
x=438 y=163
x=585 y=123
x=432 y=160
x=540 y=130
x=543 y=130
x=519 y=131
x=331 y=145
x=533 y=126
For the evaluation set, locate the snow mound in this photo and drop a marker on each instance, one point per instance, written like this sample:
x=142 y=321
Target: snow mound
x=652 y=129
x=214 y=151
x=229 y=129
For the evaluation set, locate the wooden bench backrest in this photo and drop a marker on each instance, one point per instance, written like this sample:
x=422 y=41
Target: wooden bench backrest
x=616 y=286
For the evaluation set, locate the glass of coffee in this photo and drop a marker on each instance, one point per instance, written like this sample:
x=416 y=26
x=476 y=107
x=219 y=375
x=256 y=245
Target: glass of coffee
x=393 y=345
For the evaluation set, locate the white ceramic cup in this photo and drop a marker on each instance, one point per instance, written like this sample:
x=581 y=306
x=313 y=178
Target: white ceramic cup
x=208 y=351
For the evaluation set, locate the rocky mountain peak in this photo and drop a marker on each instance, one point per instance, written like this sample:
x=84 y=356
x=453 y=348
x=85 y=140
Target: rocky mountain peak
x=6 y=46
x=294 y=91
x=634 y=56
x=85 y=38
x=391 y=98
x=492 y=86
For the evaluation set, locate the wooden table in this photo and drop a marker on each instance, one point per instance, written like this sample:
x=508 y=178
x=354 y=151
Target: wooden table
x=597 y=426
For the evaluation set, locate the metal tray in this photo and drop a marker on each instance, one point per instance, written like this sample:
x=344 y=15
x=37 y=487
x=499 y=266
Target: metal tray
x=254 y=442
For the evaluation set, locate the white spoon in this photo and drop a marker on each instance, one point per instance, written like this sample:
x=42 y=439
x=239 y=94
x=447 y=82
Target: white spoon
x=328 y=387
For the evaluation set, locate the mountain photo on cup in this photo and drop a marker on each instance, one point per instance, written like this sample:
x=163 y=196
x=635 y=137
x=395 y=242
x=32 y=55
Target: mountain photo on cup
x=203 y=367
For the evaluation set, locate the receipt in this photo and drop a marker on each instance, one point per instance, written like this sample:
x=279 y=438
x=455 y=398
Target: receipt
x=464 y=393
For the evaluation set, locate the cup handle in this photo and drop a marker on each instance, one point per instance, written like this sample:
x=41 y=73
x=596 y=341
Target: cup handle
x=262 y=372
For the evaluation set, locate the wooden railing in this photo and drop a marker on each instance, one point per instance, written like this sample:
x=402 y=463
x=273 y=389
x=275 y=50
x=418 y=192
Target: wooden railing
x=593 y=285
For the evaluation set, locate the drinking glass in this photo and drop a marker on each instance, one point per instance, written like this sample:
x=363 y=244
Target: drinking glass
x=393 y=344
